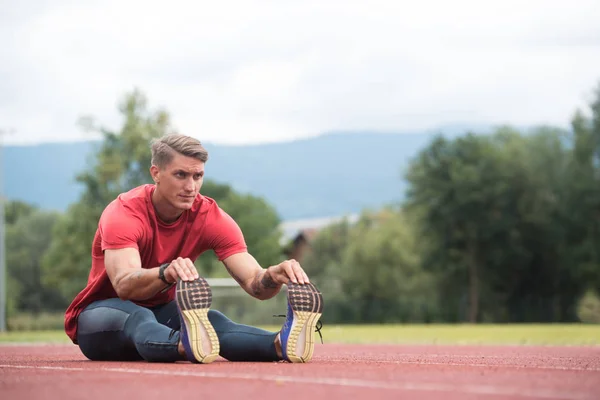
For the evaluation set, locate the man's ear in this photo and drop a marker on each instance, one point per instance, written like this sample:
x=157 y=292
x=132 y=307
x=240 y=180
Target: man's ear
x=155 y=173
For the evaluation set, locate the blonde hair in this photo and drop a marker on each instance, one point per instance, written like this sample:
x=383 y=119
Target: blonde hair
x=164 y=149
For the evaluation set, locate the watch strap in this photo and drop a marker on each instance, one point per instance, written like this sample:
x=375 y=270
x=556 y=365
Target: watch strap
x=161 y=273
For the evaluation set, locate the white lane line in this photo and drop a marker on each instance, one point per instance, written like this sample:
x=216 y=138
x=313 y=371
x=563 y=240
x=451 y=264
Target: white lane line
x=495 y=356
x=357 y=383
x=491 y=356
x=455 y=364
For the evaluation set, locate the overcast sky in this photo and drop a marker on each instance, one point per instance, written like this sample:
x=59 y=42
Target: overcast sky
x=258 y=71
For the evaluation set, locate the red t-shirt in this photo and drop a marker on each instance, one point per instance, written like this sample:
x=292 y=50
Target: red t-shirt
x=130 y=221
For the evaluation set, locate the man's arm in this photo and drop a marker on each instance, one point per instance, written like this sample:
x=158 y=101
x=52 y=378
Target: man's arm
x=259 y=282
x=132 y=282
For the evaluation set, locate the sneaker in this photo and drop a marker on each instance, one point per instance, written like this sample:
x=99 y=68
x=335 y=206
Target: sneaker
x=305 y=305
x=198 y=336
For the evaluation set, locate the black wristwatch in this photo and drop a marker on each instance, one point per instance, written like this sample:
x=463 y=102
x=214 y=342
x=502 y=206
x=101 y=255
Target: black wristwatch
x=161 y=273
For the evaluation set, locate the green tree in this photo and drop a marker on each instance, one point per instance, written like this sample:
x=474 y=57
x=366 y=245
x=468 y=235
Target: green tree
x=533 y=278
x=382 y=275
x=582 y=205
x=324 y=265
x=326 y=254
x=27 y=239
x=455 y=187
x=121 y=163
x=371 y=271
x=15 y=210
x=491 y=208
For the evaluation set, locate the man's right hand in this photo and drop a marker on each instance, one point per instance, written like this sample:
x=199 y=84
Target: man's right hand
x=181 y=268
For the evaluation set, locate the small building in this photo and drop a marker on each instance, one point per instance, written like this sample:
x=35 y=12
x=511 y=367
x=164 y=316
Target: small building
x=298 y=235
x=300 y=244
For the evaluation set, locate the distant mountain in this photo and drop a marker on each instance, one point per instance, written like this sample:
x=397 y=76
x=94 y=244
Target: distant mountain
x=333 y=174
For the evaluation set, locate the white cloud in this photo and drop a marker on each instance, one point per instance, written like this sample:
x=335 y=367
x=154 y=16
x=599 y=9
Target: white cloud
x=243 y=72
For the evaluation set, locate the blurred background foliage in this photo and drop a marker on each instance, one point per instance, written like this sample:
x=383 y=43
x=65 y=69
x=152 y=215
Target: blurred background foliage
x=500 y=227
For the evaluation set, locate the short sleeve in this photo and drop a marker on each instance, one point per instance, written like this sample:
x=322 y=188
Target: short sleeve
x=224 y=235
x=120 y=228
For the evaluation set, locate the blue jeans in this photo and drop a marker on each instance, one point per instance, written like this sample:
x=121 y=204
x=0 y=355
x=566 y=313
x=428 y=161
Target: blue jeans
x=119 y=330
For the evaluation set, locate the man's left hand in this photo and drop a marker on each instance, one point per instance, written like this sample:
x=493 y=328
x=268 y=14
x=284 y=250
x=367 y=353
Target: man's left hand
x=286 y=271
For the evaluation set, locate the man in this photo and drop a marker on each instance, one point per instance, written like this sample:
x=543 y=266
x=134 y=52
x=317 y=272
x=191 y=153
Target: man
x=144 y=298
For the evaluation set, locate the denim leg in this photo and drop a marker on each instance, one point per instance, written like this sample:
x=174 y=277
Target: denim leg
x=237 y=342
x=168 y=314
x=242 y=342
x=119 y=330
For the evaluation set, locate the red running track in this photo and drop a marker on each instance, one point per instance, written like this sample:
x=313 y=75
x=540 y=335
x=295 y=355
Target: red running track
x=56 y=372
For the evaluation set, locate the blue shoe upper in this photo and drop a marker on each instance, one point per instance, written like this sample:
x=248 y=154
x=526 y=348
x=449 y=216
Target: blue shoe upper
x=185 y=341
x=284 y=334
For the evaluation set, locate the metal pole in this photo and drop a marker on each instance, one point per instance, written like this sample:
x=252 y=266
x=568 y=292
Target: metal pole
x=3 y=294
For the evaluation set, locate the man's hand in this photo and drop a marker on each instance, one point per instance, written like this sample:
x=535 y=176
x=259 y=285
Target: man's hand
x=259 y=282
x=286 y=271
x=132 y=282
x=182 y=268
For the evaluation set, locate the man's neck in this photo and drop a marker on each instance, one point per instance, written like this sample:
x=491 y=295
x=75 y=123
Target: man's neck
x=164 y=211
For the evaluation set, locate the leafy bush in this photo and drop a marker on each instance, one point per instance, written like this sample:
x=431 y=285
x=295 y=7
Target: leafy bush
x=588 y=309
x=35 y=322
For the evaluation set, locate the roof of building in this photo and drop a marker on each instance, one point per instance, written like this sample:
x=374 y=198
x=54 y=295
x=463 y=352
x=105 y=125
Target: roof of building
x=310 y=226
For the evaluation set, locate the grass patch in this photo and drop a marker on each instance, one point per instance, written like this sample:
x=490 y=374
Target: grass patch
x=461 y=334
x=54 y=336
x=44 y=321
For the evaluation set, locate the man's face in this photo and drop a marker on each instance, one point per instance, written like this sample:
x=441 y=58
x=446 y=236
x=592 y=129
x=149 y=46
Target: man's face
x=180 y=181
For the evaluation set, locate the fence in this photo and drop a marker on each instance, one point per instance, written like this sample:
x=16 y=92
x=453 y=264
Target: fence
x=234 y=302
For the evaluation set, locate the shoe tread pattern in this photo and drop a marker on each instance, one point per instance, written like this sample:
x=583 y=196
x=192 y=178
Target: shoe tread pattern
x=306 y=302
x=194 y=299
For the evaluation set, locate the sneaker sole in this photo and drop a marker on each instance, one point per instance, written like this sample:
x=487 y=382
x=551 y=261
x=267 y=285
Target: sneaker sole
x=307 y=304
x=194 y=299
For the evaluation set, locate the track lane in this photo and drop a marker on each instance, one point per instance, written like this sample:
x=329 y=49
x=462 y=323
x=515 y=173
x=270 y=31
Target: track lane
x=337 y=370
